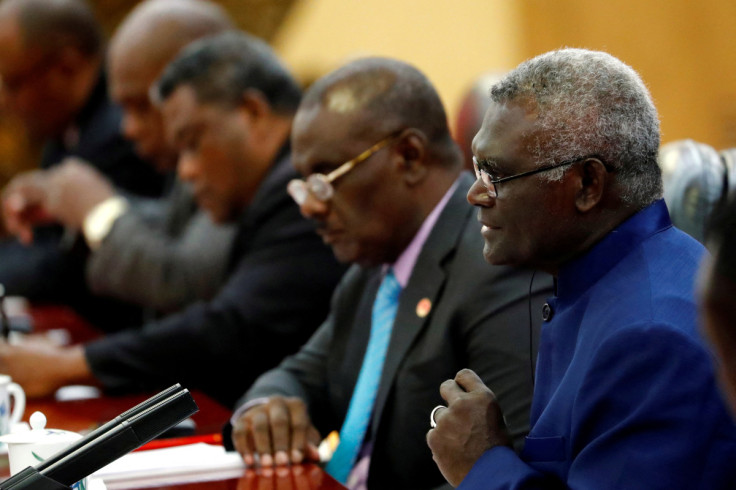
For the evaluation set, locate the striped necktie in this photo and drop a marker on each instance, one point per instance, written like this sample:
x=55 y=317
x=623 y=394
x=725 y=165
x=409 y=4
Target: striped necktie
x=360 y=410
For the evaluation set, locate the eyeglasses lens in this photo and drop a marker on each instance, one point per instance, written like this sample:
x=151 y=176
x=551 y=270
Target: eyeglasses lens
x=484 y=178
x=297 y=189
x=320 y=187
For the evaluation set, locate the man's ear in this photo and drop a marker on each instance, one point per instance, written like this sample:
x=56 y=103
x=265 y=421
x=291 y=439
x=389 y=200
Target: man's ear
x=592 y=184
x=254 y=105
x=412 y=148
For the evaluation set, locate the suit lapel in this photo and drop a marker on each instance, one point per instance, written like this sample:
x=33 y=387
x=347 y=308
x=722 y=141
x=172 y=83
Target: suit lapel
x=352 y=343
x=426 y=282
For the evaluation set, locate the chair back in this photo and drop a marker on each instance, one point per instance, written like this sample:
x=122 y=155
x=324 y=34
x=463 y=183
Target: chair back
x=695 y=180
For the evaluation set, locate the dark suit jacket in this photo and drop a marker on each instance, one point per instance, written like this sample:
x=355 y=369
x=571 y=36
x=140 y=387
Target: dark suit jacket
x=479 y=319
x=278 y=293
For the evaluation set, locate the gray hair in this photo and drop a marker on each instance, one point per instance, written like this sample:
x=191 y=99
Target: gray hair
x=589 y=103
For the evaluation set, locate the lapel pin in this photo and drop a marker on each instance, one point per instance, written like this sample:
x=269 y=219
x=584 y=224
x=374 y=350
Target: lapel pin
x=423 y=307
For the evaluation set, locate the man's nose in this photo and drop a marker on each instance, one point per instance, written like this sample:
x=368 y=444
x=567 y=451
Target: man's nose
x=314 y=208
x=132 y=126
x=187 y=167
x=478 y=195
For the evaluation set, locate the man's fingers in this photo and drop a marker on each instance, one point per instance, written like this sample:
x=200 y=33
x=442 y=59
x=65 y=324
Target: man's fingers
x=251 y=448
x=261 y=429
x=240 y=441
x=247 y=446
x=312 y=452
x=14 y=202
x=278 y=415
x=300 y=423
x=313 y=441
x=30 y=188
x=469 y=381
x=277 y=432
x=465 y=381
x=451 y=391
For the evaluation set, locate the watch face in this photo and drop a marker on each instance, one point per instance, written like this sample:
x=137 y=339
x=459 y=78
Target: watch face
x=99 y=221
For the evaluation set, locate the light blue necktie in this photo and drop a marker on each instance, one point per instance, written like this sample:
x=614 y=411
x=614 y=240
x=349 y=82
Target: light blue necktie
x=359 y=413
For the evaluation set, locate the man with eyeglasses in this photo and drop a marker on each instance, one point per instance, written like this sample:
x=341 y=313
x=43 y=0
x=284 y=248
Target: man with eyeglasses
x=383 y=181
x=624 y=396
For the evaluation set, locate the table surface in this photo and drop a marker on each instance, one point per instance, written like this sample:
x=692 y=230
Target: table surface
x=84 y=415
x=298 y=477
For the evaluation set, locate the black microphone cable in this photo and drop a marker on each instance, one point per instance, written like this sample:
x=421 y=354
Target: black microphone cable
x=531 y=331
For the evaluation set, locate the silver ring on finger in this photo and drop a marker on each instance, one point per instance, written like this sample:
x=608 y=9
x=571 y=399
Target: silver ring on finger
x=432 y=421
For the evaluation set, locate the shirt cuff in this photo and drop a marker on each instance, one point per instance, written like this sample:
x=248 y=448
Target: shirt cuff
x=98 y=222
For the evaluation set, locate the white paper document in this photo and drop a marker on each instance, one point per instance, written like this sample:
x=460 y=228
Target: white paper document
x=193 y=462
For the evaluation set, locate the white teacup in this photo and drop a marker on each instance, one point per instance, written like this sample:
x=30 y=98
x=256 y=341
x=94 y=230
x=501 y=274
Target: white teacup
x=8 y=391
x=31 y=447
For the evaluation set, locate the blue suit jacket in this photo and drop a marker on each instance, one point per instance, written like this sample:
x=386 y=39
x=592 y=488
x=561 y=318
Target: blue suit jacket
x=625 y=395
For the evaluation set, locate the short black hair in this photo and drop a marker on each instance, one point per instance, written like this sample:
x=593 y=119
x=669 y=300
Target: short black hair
x=222 y=67
x=53 y=24
x=393 y=93
x=390 y=95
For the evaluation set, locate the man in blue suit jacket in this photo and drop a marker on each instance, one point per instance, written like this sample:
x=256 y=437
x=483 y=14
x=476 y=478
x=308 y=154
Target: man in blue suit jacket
x=625 y=395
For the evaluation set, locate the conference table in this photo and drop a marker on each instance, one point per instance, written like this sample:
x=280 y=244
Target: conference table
x=87 y=413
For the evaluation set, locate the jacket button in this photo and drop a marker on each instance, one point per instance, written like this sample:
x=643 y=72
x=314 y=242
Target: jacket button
x=547 y=312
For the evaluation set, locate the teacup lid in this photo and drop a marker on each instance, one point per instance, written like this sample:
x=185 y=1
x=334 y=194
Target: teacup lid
x=39 y=433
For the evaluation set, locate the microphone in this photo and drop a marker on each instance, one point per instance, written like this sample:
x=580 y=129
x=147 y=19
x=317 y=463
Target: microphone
x=114 y=439
x=144 y=405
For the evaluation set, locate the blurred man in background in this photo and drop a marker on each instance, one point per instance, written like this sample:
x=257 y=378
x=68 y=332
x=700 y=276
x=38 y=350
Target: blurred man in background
x=162 y=254
x=717 y=288
x=228 y=105
x=51 y=56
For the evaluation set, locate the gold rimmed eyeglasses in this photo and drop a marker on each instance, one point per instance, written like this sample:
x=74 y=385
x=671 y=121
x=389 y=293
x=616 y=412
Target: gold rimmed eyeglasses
x=320 y=185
